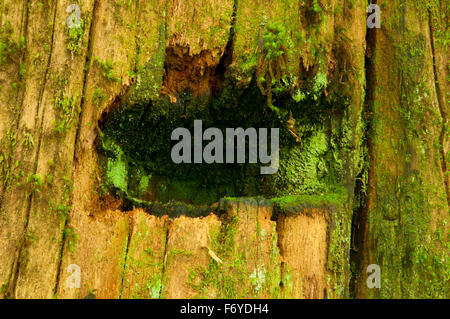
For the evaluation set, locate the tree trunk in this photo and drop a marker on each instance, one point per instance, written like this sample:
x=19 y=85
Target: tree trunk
x=388 y=148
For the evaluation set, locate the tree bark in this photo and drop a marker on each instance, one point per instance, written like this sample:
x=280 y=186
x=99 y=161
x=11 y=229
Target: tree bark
x=53 y=93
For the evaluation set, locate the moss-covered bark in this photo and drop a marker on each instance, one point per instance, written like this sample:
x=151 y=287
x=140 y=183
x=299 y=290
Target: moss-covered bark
x=406 y=213
x=372 y=114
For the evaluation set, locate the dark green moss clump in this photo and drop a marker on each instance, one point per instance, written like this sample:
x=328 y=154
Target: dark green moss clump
x=136 y=147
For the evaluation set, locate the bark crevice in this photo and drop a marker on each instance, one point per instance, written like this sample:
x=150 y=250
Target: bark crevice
x=87 y=66
x=441 y=104
x=165 y=255
x=364 y=189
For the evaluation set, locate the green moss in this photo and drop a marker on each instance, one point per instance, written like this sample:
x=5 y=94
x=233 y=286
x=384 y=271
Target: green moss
x=8 y=143
x=148 y=265
x=141 y=127
x=319 y=200
x=206 y=26
x=409 y=201
x=272 y=61
x=137 y=146
x=117 y=174
x=75 y=37
x=98 y=96
x=71 y=238
x=149 y=76
x=338 y=258
x=9 y=48
x=107 y=69
x=35 y=182
x=67 y=109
